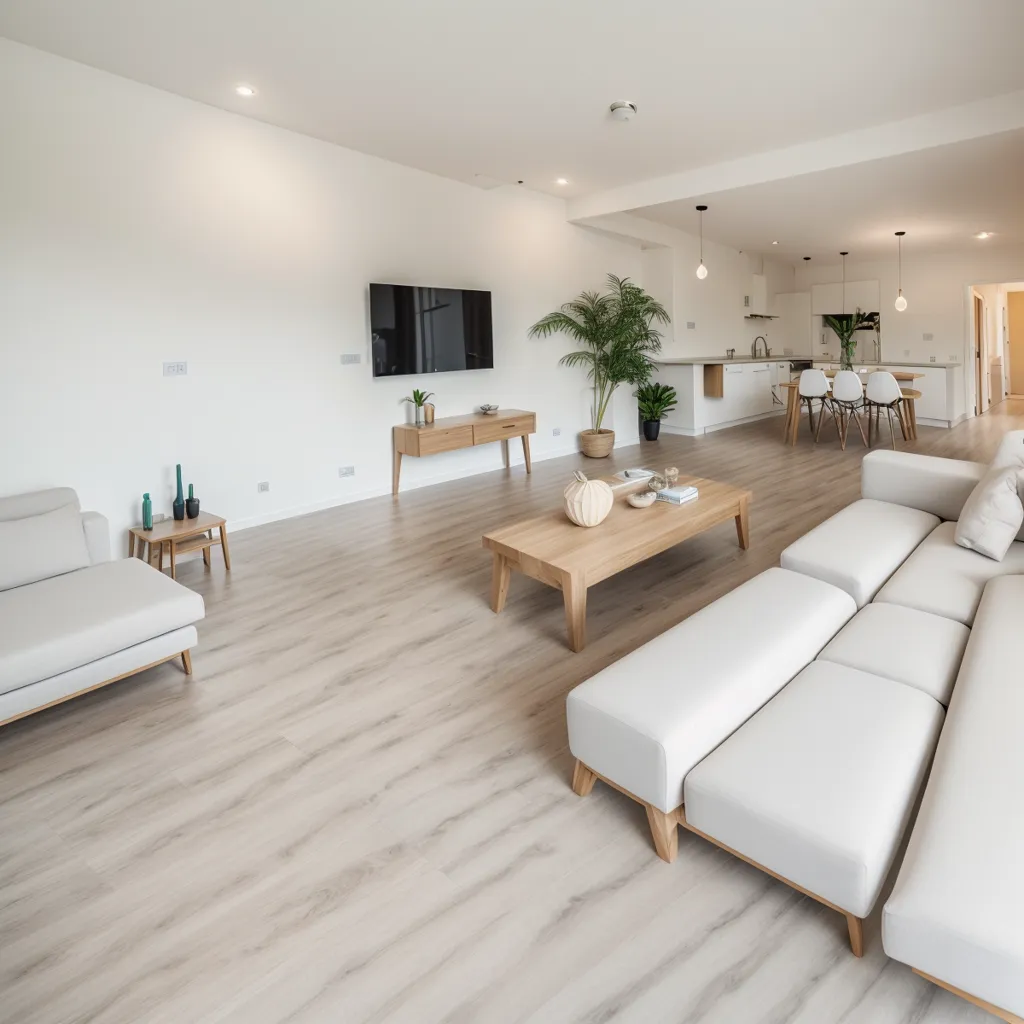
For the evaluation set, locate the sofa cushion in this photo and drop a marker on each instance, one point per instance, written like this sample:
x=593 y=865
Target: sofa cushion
x=955 y=911
x=34 y=503
x=41 y=546
x=944 y=579
x=1011 y=450
x=903 y=644
x=859 y=548
x=939 y=486
x=992 y=514
x=646 y=720
x=60 y=623
x=819 y=785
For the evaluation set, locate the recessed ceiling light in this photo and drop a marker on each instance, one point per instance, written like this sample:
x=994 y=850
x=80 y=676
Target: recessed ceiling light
x=623 y=110
x=561 y=181
x=984 y=234
x=775 y=243
x=245 y=90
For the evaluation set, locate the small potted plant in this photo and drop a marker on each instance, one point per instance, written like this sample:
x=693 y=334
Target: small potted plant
x=419 y=400
x=654 y=401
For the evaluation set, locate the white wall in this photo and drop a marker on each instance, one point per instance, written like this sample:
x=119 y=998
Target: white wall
x=935 y=289
x=137 y=227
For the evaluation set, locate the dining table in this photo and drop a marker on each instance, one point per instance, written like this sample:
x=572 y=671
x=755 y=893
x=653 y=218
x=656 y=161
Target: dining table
x=910 y=395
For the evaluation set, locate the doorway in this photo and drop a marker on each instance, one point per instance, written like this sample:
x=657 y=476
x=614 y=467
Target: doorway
x=979 y=335
x=1015 y=340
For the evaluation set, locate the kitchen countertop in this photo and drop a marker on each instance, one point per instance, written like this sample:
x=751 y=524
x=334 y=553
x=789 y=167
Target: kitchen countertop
x=714 y=360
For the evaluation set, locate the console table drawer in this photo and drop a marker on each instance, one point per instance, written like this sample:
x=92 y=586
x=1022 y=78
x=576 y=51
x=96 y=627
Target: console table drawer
x=444 y=439
x=483 y=433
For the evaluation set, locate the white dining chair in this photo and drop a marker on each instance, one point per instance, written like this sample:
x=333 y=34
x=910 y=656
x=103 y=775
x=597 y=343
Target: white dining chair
x=883 y=392
x=847 y=399
x=814 y=388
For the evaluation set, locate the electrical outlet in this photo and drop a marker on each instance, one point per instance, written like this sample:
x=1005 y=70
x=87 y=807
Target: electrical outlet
x=175 y=369
x=954 y=358
x=159 y=517
x=556 y=431
x=927 y=337
x=931 y=359
x=691 y=325
x=350 y=358
x=263 y=486
x=346 y=471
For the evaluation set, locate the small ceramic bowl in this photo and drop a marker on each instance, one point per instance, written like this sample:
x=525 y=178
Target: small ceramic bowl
x=643 y=499
x=489 y=410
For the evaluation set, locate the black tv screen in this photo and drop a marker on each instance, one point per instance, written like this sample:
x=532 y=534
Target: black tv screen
x=429 y=330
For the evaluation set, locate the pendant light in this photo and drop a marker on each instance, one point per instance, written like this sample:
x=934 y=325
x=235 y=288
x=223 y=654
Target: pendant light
x=901 y=303
x=702 y=271
x=844 y=255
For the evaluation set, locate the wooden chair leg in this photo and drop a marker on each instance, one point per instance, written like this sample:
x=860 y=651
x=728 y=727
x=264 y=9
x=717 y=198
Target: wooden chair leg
x=821 y=419
x=583 y=779
x=860 y=426
x=902 y=417
x=856 y=926
x=665 y=829
x=892 y=432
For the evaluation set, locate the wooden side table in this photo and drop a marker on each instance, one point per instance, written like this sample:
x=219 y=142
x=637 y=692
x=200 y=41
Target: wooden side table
x=179 y=536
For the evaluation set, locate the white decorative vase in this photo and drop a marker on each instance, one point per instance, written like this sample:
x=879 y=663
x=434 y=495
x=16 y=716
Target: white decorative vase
x=588 y=502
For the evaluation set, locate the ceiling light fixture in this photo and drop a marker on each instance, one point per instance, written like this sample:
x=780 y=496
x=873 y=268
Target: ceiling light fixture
x=561 y=181
x=844 y=255
x=901 y=303
x=984 y=234
x=807 y=259
x=702 y=271
x=245 y=90
x=775 y=243
x=623 y=110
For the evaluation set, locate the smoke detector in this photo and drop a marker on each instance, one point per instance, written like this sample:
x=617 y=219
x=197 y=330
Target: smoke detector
x=623 y=110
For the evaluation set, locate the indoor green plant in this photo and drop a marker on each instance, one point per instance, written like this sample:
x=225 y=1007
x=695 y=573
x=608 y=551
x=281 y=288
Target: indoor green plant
x=419 y=399
x=653 y=401
x=616 y=334
x=845 y=325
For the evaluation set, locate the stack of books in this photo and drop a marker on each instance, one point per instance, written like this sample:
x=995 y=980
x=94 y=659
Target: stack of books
x=678 y=495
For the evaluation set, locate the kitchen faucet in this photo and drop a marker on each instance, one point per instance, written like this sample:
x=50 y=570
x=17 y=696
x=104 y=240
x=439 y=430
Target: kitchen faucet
x=753 y=348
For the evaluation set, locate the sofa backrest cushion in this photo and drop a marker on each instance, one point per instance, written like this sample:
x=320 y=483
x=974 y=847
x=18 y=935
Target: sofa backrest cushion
x=1011 y=450
x=939 y=486
x=34 y=503
x=40 y=546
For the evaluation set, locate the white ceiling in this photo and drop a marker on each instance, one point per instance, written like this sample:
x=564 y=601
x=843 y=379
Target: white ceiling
x=520 y=90
x=940 y=196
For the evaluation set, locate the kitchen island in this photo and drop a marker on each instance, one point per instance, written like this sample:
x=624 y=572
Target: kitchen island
x=718 y=392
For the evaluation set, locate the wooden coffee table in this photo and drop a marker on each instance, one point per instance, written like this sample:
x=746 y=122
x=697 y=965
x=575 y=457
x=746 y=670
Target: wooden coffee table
x=180 y=535
x=572 y=558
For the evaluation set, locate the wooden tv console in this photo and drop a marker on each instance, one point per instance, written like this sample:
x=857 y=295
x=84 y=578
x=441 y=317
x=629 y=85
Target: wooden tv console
x=454 y=432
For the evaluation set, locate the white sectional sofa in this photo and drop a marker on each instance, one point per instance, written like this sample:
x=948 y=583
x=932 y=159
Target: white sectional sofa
x=72 y=620
x=805 y=749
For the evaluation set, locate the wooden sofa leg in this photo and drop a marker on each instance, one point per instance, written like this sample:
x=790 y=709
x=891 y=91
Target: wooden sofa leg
x=665 y=829
x=856 y=925
x=583 y=779
x=186 y=662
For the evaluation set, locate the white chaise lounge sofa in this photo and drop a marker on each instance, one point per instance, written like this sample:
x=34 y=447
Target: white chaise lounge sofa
x=805 y=750
x=72 y=620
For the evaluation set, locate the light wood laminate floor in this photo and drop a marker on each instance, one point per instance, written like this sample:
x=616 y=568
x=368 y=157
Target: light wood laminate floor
x=359 y=807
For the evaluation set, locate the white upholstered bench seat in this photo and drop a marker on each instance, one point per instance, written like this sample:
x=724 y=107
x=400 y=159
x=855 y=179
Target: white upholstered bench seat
x=860 y=547
x=645 y=721
x=819 y=785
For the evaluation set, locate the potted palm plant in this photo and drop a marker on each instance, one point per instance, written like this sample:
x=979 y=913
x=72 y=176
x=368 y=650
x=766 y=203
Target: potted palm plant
x=654 y=401
x=616 y=334
x=845 y=325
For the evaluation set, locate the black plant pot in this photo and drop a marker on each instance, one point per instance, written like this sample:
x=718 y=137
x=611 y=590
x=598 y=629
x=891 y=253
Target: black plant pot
x=652 y=428
x=178 y=508
x=192 y=507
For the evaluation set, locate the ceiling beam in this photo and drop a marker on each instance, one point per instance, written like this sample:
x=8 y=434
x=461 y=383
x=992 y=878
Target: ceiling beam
x=955 y=124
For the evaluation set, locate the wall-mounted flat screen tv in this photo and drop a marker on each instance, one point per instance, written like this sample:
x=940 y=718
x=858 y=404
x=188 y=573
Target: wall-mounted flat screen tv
x=429 y=330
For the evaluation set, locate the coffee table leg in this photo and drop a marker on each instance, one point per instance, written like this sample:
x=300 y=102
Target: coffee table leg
x=131 y=544
x=174 y=570
x=743 y=525
x=574 y=592
x=500 y=579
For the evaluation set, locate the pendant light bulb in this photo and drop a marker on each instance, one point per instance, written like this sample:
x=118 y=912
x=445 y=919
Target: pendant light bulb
x=702 y=271
x=901 y=303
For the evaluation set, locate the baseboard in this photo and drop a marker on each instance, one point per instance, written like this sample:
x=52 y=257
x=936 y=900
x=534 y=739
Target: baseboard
x=668 y=428
x=570 y=447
